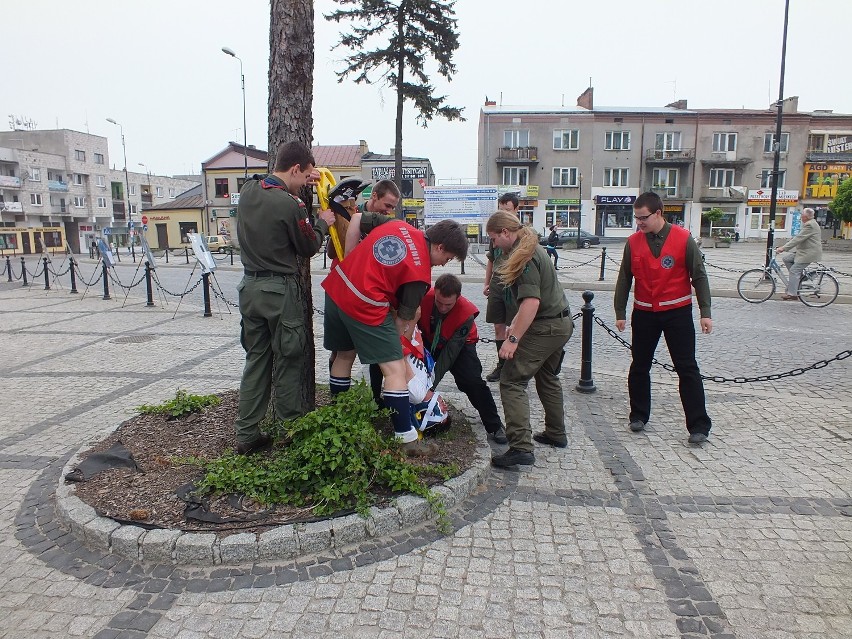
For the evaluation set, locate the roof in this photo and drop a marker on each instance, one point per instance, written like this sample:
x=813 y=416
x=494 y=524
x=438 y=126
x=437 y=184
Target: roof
x=337 y=155
x=235 y=156
x=383 y=157
x=191 y=202
x=489 y=109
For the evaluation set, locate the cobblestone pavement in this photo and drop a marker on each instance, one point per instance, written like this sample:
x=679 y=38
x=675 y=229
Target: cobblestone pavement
x=620 y=534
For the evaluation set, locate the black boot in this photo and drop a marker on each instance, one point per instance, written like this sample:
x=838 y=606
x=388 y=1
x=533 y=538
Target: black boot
x=494 y=376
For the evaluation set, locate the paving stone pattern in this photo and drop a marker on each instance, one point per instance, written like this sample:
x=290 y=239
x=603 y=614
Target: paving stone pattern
x=619 y=535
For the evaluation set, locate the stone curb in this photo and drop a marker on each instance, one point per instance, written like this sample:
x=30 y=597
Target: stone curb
x=286 y=542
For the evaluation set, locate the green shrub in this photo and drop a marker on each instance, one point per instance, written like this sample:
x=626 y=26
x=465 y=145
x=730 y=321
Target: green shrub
x=183 y=404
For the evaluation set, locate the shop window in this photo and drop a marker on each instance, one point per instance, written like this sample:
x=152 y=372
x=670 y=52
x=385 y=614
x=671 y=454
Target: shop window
x=8 y=241
x=222 y=187
x=52 y=239
x=185 y=228
x=760 y=219
x=618 y=218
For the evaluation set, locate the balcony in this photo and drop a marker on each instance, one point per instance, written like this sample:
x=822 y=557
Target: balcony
x=523 y=154
x=817 y=156
x=724 y=194
x=670 y=156
x=118 y=209
x=671 y=192
x=57 y=186
x=725 y=159
x=9 y=182
x=11 y=207
x=60 y=209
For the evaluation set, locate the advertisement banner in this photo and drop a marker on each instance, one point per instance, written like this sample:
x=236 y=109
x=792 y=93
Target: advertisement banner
x=762 y=197
x=464 y=204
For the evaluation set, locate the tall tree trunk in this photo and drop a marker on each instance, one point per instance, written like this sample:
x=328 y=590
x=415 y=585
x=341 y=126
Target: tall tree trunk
x=400 y=103
x=291 y=90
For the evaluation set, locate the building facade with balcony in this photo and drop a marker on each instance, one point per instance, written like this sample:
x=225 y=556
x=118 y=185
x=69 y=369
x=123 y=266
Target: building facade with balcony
x=598 y=159
x=57 y=187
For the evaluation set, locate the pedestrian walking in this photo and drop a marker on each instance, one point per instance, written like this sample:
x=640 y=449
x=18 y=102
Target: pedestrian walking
x=552 y=240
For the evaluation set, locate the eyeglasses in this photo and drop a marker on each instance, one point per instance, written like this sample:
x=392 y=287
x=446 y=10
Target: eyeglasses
x=642 y=218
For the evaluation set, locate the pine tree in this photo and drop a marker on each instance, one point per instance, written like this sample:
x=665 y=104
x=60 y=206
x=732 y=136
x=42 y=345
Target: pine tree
x=410 y=31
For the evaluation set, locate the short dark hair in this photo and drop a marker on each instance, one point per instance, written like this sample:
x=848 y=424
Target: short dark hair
x=383 y=187
x=448 y=284
x=650 y=201
x=291 y=154
x=451 y=235
x=509 y=197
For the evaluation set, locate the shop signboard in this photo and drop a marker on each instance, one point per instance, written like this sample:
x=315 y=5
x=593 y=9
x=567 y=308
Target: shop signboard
x=466 y=204
x=763 y=197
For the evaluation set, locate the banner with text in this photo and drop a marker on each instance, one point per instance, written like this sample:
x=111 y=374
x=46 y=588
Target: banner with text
x=464 y=204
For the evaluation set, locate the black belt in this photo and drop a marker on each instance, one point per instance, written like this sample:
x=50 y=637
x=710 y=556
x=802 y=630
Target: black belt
x=265 y=273
x=565 y=313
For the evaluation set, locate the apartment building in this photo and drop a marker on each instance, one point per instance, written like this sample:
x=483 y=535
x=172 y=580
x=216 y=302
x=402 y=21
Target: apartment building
x=586 y=164
x=58 y=187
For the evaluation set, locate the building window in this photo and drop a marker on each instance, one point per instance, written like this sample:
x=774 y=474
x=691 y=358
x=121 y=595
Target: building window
x=222 y=187
x=35 y=199
x=720 y=178
x=617 y=141
x=565 y=176
x=35 y=175
x=515 y=175
x=99 y=180
x=78 y=179
x=668 y=141
x=102 y=203
x=79 y=201
x=766 y=178
x=171 y=193
x=665 y=181
x=99 y=158
x=566 y=139
x=159 y=191
x=185 y=229
x=52 y=175
x=79 y=155
x=615 y=177
x=816 y=143
x=760 y=218
x=516 y=139
x=724 y=142
x=241 y=181
x=134 y=208
x=769 y=142
x=132 y=189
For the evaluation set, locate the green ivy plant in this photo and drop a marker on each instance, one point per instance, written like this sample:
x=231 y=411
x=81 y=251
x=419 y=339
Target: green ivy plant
x=183 y=404
x=335 y=460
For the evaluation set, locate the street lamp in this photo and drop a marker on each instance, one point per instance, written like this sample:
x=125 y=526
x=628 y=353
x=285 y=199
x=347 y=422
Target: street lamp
x=230 y=52
x=126 y=186
x=580 y=212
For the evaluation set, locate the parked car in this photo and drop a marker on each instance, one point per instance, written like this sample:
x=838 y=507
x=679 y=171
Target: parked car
x=568 y=237
x=218 y=243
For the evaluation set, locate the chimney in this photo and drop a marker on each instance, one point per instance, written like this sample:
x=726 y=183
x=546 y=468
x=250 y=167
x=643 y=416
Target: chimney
x=489 y=102
x=586 y=99
x=393 y=150
x=679 y=104
x=364 y=148
x=791 y=104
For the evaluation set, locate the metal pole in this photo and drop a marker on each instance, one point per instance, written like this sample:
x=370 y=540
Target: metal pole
x=773 y=202
x=46 y=278
x=24 y=272
x=587 y=384
x=73 y=276
x=580 y=214
x=148 y=286
x=229 y=52
x=105 y=275
x=9 y=267
x=206 y=278
x=603 y=263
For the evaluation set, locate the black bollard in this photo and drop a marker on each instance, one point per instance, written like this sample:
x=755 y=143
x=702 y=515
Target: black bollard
x=206 y=278
x=232 y=255
x=73 y=276
x=9 y=267
x=24 y=272
x=186 y=250
x=167 y=255
x=106 y=283
x=133 y=252
x=587 y=384
x=603 y=263
x=324 y=257
x=46 y=274
x=148 y=286
x=462 y=267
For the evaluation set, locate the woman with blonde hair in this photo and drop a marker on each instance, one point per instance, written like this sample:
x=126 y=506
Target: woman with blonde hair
x=539 y=327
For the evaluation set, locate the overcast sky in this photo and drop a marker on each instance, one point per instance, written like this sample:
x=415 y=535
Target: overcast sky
x=157 y=68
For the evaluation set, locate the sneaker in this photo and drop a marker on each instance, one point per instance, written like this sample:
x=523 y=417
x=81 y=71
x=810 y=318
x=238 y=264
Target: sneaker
x=255 y=446
x=420 y=448
x=513 y=457
x=499 y=436
x=637 y=425
x=494 y=376
x=697 y=438
x=541 y=438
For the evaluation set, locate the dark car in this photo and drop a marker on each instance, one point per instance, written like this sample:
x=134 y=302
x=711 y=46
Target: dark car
x=568 y=237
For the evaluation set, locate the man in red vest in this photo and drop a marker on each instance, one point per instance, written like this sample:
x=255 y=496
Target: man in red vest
x=449 y=332
x=666 y=264
x=391 y=268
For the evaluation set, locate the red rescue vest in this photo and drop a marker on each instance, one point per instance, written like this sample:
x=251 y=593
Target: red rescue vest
x=364 y=285
x=662 y=283
x=459 y=314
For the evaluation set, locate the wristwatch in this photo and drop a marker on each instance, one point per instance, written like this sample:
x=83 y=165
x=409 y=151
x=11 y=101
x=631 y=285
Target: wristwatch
x=513 y=339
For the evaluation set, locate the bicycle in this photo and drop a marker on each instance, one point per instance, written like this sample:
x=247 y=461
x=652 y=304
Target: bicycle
x=817 y=288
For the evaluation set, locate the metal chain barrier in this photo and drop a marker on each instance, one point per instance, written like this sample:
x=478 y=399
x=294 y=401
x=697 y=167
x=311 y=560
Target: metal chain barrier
x=835 y=271
x=168 y=292
x=12 y=273
x=116 y=281
x=618 y=264
x=722 y=268
x=719 y=379
x=220 y=295
x=487 y=340
x=55 y=274
x=35 y=275
x=84 y=280
x=565 y=268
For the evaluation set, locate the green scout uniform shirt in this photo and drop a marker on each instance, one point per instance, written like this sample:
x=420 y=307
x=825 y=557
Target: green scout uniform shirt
x=274 y=227
x=694 y=266
x=537 y=280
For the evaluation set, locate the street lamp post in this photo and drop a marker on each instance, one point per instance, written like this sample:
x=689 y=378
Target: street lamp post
x=580 y=212
x=126 y=186
x=230 y=52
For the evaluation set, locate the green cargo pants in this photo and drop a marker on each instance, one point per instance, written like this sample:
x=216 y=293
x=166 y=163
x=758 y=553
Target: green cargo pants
x=539 y=355
x=273 y=332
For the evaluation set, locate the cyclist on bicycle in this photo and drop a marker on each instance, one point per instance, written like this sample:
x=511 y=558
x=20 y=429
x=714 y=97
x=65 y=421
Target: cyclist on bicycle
x=807 y=248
